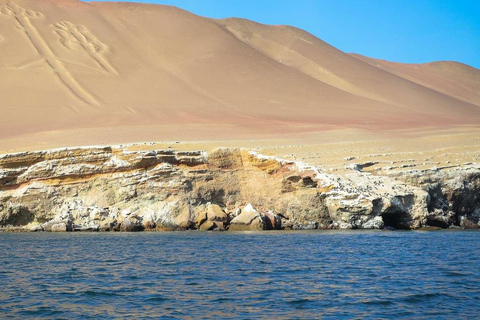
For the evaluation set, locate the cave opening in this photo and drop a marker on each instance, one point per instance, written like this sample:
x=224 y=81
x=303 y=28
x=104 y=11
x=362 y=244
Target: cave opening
x=17 y=216
x=437 y=223
x=396 y=220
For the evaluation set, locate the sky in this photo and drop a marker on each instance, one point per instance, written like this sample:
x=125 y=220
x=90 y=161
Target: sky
x=410 y=31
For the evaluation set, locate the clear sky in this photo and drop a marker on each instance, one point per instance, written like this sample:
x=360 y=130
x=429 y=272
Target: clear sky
x=412 y=31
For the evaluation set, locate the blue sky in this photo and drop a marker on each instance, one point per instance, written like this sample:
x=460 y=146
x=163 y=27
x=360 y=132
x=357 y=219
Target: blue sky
x=412 y=31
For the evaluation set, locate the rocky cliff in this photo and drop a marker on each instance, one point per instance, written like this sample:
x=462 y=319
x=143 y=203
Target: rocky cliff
x=120 y=188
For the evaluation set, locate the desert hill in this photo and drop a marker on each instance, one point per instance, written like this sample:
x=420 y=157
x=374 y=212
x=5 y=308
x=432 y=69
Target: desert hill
x=85 y=73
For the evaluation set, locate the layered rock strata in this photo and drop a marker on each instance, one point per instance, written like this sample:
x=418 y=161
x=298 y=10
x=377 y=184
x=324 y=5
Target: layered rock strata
x=117 y=189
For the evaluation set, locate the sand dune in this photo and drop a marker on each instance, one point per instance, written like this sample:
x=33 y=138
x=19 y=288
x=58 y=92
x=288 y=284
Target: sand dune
x=452 y=78
x=137 y=71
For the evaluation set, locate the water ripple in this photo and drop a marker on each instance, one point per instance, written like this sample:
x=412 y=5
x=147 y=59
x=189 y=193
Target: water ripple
x=284 y=275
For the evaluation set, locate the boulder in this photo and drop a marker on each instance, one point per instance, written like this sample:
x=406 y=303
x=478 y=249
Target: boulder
x=215 y=213
x=86 y=228
x=213 y=218
x=272 y=221
x=248 y=220
x=467 y=223
x=132 y=224
x=58 y=224
x=375 y=223
x=208 y=225
x=36 y=228
x=59 y=227
x=202 y=218
x=440 y=218
x=175 y=215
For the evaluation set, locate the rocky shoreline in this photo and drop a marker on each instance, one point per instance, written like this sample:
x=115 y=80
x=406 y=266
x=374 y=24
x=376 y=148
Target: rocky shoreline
x=119 y=188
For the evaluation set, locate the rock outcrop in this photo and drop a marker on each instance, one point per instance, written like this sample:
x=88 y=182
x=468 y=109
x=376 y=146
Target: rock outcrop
x=248 y=219
x=122 y=189
x=213 y=218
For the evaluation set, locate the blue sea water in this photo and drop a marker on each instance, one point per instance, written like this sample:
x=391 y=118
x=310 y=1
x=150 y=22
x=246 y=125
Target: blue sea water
x=284 y=275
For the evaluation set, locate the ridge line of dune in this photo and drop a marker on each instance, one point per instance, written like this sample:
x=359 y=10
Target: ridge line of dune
x=345 y=85
x=377 y=63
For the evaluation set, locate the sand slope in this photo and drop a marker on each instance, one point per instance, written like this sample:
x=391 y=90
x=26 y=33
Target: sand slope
x=139 y=72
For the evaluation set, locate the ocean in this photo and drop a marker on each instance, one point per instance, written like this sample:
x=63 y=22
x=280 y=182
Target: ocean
x=265 y=275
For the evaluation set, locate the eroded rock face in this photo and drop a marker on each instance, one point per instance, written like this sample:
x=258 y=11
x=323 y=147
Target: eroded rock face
x=16 y=215
x=115 y=189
